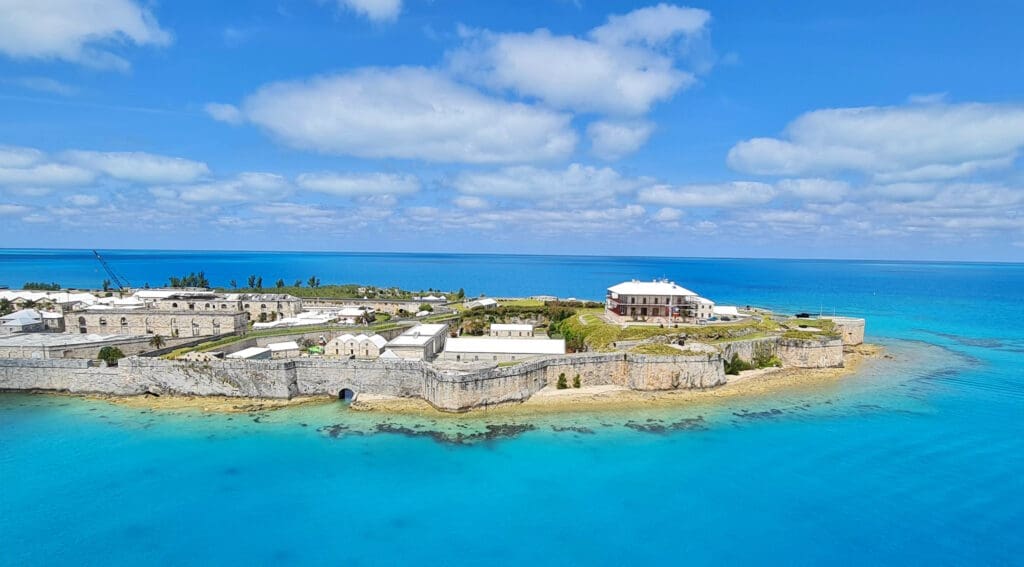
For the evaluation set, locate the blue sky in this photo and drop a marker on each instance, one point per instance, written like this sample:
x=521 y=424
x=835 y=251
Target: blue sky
x=803 y=129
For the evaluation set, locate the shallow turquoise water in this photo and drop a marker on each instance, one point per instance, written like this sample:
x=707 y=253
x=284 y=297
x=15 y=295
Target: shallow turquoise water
x=917 y=459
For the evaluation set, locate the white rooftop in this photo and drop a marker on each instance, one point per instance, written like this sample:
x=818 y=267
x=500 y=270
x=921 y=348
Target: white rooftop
x=511 y=327
x=637 y=287
x=505 y=346
x=418 y=335
x=250 y=352
x=726 y=310
x=287 y=345
x=484 y=302
x=58 y=339
x=23 y=317
x=54 y=296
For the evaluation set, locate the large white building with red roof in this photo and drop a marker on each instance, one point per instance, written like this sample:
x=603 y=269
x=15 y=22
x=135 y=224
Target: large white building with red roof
x=656 y=301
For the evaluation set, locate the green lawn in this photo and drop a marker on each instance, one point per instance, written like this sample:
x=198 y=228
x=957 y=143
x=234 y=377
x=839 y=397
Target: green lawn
x=599 y=335
x=525 y=302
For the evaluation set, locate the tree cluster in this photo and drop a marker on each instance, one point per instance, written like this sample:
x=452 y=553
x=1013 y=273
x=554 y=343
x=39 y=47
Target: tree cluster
x=191 y=280
x=42 y=286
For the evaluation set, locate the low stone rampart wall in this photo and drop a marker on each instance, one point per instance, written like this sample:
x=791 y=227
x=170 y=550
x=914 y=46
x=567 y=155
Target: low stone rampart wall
x=747 y=350
x=811 y=353
x=62 y=375
x=448 y=390
x=851 y=329
x=403 y=378
x=245 y=378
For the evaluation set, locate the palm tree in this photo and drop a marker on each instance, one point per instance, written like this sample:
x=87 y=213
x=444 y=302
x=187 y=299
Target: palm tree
x=157 y=342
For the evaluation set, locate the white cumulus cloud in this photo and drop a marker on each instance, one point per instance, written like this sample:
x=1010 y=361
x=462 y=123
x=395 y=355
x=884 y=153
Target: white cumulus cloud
x=374 y=10
x=139 y=166
x=410 y=113
x=13 y=156
x=12 y=209
x=249 y=186
x=82 y=200
x=720 y=195
x=532 y=182
x=815 y=190
x=79 y=31
x=894 y=143
x=44 y=175
x=359 y=184
x=622 y=67
x=470 y=202
x=667 y=214
x=224 y=112
x=612 y=140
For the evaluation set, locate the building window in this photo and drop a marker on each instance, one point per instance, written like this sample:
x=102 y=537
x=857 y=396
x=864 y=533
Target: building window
x=192 y=306
x=124 y=323
x=81 y=325
x=263 y=306
x=208 y=306
x=174 y=305
x=103 y=321
x=223 y=305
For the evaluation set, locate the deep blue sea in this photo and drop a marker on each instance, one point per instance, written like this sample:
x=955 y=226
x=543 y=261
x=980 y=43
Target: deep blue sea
x=917 y=459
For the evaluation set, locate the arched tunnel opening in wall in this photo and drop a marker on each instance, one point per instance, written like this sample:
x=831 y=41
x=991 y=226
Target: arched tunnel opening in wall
x=346 y=395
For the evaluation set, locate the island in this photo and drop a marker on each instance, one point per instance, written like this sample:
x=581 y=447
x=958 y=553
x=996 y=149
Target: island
x=366 y=345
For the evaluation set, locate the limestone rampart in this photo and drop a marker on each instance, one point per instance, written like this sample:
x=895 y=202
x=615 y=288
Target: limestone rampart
x=747 y=350
x=811 y=353
x=851 y=330
x=447 y=390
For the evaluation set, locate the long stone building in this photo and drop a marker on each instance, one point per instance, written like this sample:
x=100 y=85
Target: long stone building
x=258 y=306
x=166 y=323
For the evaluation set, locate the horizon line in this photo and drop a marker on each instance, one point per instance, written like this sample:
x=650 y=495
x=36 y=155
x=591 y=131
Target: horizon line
x=523 y=254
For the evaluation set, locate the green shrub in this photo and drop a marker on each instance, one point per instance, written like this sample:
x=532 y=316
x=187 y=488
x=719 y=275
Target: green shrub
x=562 y=384
x=576 y=381
x=110 y=355
x=735 y=365
x=764 y=357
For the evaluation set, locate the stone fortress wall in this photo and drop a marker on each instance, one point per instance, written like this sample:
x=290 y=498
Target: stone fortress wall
x=445 y=389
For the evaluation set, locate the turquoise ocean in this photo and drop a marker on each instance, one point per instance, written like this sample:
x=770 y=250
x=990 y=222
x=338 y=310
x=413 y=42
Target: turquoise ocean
x=916 y=459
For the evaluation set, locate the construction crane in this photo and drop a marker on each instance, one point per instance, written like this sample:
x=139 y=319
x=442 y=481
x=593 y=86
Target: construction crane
x=121 y=282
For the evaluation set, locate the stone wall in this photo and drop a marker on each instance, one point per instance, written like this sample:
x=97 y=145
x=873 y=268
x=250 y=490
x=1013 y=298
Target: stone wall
x=447 y=390
x=851 y=329
x=246 y=378
x=403 y=378
x=62 y=375
x=747 y=349
x=645 y=372
x=157 y=322
x=811 y=353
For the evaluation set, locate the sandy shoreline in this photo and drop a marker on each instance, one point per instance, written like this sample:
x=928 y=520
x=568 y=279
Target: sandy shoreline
x=547 y=401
